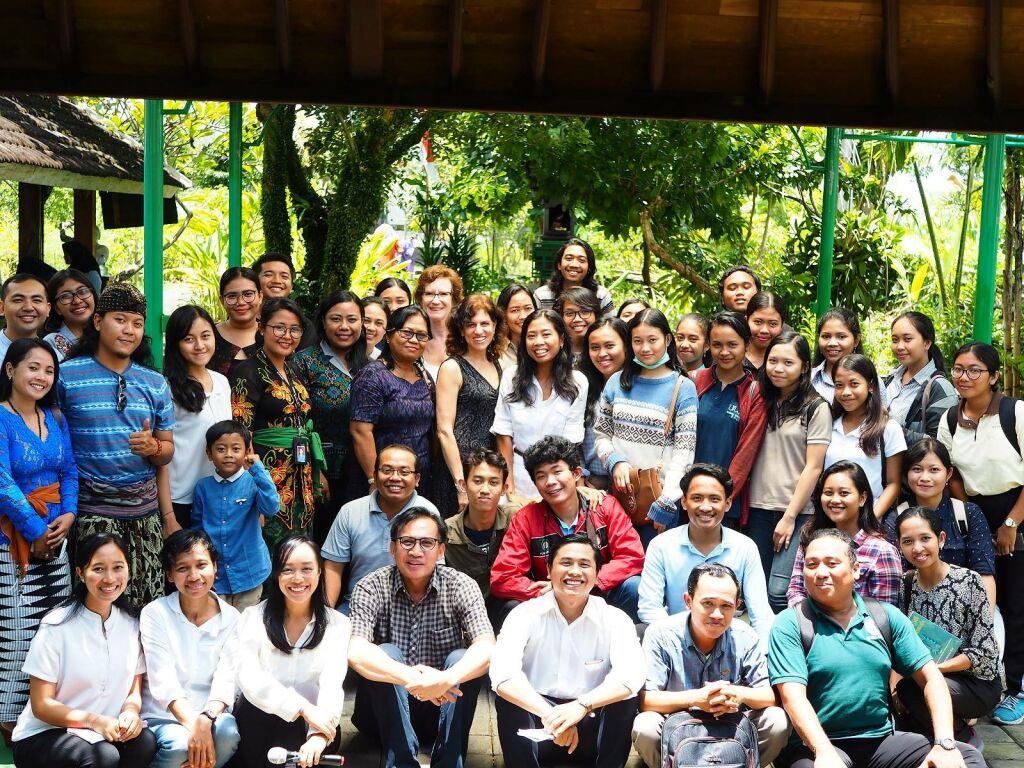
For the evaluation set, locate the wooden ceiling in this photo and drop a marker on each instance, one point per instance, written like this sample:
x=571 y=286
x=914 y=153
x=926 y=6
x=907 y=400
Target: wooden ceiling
x=939 y=64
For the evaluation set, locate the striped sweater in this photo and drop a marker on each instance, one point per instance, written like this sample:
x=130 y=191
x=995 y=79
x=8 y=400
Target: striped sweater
x=631 y=427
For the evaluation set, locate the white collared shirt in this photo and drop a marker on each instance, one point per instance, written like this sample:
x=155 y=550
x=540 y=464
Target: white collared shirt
x=565 y=660
x=184 y=661
x=221 y=479
x=336 y=361
x=281 y=683
x=92 y=663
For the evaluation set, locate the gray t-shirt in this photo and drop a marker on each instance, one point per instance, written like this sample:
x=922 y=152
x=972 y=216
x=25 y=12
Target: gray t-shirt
x=361 y=537
x=783 y=457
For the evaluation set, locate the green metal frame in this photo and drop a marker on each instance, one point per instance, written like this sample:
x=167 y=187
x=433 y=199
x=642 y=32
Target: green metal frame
x=153 y=223
x=991 y=201
x=235 y=185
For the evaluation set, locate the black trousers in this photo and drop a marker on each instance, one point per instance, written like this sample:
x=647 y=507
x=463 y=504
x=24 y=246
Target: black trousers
x=604 y=740
x=1009 y=587
x=56 y=748
x=971 y=698
x=899 y=750
x=260 y=731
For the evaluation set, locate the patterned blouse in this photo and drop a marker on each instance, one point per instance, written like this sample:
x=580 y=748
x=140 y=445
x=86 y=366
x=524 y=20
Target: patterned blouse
x=26 y=463
x=260 y=398
x=330 y=390
x=880 y=571
x=400 y=411
x=959 y=604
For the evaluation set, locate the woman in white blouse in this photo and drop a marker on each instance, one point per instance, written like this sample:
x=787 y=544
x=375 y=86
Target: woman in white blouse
x=189 y=641
x=292 y=659
x=85 y=667
x=541 y=396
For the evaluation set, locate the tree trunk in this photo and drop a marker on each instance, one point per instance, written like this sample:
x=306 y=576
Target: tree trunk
x=278 y=122
x=1013 y=274
x=688 y=272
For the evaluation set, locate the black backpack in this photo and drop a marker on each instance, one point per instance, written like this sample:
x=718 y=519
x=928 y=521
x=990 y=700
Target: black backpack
x=805 y=620
x=697 y=739
x=1007 y=421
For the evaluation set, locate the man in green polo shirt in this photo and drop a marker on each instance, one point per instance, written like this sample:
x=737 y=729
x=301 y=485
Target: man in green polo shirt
x=837 y=694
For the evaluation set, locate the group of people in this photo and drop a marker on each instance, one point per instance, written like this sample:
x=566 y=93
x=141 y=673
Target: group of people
x=613 y=519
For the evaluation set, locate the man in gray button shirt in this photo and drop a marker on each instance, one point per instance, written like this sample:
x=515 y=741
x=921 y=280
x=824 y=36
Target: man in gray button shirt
x=702 y=659
x=360 y=537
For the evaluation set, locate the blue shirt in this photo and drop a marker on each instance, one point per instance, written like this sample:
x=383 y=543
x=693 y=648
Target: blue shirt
x=669 y=560
x=675 y=663
x=229 y=510
x=718 y=429
x=361 y=536
x=99 y=432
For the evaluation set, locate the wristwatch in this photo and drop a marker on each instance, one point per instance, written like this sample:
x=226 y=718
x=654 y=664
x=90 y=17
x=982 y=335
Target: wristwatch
x=584 y=701
x=1010 y=523
x=946 y=743
x=210 y=714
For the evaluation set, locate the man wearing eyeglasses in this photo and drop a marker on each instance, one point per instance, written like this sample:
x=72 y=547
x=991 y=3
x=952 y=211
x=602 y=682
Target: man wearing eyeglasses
x=421 y=643
x=25 y=309
x=359 y=539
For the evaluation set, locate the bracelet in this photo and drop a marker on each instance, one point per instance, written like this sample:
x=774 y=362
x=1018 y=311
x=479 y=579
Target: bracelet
x=159 y=448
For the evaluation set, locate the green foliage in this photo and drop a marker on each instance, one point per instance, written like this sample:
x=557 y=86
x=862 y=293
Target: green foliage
x=377 y=261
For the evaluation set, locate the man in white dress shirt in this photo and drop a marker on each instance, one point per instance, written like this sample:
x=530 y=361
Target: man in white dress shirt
x=570 y=664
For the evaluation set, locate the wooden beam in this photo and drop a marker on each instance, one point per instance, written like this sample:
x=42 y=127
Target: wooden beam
x=541 y=28
x=66 y=42
x=31 y=201
x=85 y=218
x=456 y=10
x=891 y=49
x=283 y=35
x=994 y=53
x=187 y=26
x=768 y=23
x=365 y=40
x=659 y=23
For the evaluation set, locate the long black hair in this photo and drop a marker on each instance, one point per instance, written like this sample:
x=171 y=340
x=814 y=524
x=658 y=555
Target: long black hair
x=658 y=321
x=53 y=286
x=847 y=318
x=589 y=279
x=802 y=397
x=866 y=519
x=17 y=352
x=924 y=326
x=561 y=369
x=273 y=612
x=876 y=417
x=186 y=391
x=357 y=355
x=595 y=379
x=84 y=553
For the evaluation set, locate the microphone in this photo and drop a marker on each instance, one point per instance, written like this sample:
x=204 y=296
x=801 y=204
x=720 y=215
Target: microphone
x=282 y=756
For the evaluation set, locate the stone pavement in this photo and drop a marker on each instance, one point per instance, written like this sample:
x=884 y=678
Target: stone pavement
x=1004 y=745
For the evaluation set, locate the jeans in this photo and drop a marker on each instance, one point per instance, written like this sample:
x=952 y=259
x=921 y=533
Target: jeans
x=604 y=739
x=172 y=741
x=778 y=566
x=56 y=748
x=626 y=596
x=388 y=712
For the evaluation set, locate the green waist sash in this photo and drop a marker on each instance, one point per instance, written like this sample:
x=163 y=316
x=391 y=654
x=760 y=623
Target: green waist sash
x=284 y=437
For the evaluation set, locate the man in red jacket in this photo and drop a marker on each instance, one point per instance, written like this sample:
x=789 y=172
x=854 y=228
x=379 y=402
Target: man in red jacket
x=520 y=571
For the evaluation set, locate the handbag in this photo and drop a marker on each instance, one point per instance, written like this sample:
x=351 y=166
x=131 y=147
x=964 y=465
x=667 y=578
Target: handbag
x=646 y=483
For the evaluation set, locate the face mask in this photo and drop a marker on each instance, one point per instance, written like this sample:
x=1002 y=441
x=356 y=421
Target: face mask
x=657 y=364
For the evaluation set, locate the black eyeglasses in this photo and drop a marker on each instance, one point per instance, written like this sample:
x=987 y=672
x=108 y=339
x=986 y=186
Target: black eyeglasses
x=122 y=394
x=408 y=543
x=68 y=297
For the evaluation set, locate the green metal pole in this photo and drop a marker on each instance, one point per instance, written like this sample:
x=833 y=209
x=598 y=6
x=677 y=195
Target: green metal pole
x=235 y=186
x=829 y=200
x=153 y=222
x=988 y=239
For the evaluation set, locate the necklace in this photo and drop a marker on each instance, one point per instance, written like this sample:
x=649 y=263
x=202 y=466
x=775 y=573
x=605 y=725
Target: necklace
x=39 y=420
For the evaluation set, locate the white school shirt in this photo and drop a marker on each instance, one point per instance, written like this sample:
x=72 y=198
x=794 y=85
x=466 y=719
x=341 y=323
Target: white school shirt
x=846 y=447
x=281 y=683
x=190 y=463
x=93 y=663
x=184 y=661
x=528 y=424
x=565 y=660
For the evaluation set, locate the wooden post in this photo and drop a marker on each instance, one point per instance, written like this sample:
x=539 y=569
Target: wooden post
x=85 y=218
x=31 y=199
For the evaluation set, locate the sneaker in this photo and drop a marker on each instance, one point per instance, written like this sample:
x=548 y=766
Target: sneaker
x=975 y=741
x=1010 y=711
